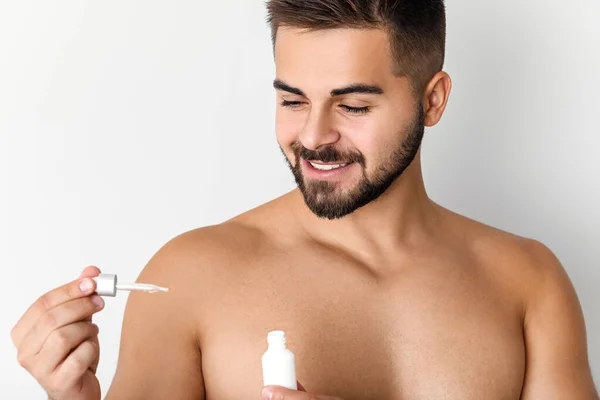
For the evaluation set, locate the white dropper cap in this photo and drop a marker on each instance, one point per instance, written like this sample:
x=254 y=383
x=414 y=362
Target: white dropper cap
x=106 y=285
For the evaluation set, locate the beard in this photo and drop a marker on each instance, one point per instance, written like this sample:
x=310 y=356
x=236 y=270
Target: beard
x=326 y=200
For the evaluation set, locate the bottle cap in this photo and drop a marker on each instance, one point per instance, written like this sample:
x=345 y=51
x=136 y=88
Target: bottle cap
x=276 y=338
x=106 y=284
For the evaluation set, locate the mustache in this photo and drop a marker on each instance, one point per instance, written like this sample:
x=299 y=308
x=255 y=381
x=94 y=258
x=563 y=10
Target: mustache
x=327 y=154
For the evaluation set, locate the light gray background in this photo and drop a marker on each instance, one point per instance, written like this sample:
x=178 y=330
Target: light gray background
x=124 y=123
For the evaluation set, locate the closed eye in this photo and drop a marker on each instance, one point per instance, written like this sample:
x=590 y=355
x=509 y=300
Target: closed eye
x=291 y=104
x=355 y=110
x=351 y=110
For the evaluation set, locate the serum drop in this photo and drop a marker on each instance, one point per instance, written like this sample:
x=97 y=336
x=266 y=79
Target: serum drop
x=278 y=362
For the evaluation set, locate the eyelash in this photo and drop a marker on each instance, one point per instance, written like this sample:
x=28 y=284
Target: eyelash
x=351 y=110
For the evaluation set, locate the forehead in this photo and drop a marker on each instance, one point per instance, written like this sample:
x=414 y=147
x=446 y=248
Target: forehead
x=322 y=59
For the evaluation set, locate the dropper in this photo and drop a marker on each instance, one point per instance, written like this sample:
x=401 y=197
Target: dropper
x=106 y=285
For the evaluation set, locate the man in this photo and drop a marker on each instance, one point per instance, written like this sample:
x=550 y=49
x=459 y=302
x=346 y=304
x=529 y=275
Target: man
x=382 y=293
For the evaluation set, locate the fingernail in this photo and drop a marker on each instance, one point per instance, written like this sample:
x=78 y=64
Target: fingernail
x=98 y=301
x=267 y=393
x=86 y=285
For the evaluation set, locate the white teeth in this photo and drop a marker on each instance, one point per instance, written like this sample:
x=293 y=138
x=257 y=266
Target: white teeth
x=322 y=167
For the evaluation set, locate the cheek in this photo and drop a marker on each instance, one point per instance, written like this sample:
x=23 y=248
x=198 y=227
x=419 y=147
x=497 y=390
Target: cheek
x=362 y=134
x=375 y=138
x=287 y=129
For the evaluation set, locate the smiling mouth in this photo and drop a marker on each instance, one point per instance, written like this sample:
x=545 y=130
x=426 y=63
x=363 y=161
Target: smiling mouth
x=327 y=166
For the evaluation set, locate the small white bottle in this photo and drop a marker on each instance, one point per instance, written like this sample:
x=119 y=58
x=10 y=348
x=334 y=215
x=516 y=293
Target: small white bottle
x=278 y=362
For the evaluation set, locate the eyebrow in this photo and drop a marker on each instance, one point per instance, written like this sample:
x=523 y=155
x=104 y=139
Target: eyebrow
x=354 y=88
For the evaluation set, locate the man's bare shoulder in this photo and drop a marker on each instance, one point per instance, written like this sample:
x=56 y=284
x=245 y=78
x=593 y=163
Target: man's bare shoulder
x=203 y=249
x=210 y=250
x=198 y=268
x=551 y=315
x=523 y=263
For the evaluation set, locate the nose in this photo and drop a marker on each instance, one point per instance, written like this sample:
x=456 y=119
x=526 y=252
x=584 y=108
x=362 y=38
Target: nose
x=318 y=131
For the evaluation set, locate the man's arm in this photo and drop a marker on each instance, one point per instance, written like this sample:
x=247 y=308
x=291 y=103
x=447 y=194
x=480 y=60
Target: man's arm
x=159 y=357
x=555 y=337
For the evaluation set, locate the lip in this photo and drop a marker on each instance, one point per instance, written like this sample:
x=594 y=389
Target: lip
x=314 y=173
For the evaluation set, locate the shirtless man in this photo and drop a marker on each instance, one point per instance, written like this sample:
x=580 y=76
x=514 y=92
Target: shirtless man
x=383 y=293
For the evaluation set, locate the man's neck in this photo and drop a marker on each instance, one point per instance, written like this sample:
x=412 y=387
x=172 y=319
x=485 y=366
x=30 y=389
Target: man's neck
x=402 y=218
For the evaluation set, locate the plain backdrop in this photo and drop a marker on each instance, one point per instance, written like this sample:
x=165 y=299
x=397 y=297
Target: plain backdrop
x=125 y=123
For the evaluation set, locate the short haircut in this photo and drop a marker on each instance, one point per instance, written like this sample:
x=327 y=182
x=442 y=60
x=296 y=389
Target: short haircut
x=416 y=28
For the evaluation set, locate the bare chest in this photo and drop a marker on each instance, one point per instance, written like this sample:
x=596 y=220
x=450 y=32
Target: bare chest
x=417 y=336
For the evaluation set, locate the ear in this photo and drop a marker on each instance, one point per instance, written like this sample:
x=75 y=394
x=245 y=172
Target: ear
x=436 y=97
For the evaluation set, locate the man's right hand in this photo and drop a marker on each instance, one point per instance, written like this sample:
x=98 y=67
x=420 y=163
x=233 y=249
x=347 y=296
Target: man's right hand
x=57 y=342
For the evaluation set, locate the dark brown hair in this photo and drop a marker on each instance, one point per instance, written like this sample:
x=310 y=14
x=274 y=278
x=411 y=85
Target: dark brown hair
x=416 y=28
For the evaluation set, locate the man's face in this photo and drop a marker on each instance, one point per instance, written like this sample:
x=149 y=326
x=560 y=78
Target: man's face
x=347 y=126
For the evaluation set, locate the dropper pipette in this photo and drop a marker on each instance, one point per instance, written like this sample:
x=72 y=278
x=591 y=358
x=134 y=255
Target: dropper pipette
x=106 y=285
